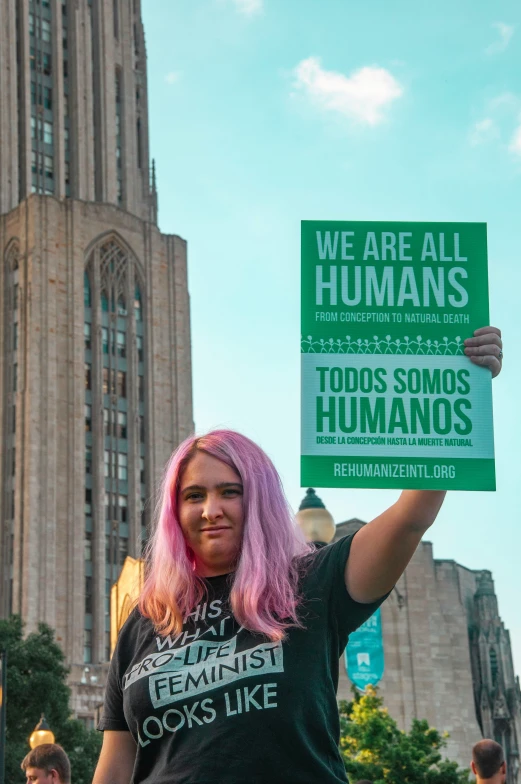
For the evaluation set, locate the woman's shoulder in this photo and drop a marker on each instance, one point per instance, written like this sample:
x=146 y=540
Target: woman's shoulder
x=136 y=627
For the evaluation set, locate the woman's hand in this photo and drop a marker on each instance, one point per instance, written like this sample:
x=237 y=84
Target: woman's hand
x=486 y=349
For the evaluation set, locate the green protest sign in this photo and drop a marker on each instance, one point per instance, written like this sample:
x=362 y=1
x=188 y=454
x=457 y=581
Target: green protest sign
x=388 y=397
x=364 y=655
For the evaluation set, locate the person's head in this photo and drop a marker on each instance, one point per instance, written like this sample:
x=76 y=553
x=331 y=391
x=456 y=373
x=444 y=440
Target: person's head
x=488 y=762
x=47 y=764
x=222 y=509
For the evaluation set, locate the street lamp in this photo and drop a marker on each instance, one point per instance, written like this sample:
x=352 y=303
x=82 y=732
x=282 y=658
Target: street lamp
x=42 y=733
x=314 y=519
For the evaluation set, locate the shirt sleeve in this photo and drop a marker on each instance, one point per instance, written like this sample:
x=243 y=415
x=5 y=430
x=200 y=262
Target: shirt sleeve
x=113 y=717
x=345 y=612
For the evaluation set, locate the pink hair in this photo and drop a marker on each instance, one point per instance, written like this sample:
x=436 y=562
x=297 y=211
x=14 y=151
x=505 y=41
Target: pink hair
x=264 y=593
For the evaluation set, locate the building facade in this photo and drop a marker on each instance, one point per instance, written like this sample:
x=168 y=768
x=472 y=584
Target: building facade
x=448 y=657
x=95 y=366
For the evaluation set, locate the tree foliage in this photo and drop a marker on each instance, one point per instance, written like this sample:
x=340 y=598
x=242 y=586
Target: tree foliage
x=36 y=683
x=374 y=748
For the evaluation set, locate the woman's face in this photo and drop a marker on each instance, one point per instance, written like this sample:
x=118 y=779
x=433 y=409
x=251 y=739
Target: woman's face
x=211 y=513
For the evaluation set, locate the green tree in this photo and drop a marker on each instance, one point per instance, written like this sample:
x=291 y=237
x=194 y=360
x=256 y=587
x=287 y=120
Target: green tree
x=36 y=683
x=374 y=748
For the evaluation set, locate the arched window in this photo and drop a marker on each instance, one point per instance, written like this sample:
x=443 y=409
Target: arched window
x=117 y=389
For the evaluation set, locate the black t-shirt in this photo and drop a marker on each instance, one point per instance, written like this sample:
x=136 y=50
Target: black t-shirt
x=217 y=704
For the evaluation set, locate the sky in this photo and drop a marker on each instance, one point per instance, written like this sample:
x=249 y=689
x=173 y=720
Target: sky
x=264 y=113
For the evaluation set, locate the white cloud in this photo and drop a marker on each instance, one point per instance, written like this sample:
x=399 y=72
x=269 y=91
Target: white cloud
x=173 y=77
x=505 y=34
x=515 y=144
x=248 y=7
x=484 y=131
x=362 y=96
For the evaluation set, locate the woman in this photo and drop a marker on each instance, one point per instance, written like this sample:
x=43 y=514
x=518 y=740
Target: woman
x=226 y=672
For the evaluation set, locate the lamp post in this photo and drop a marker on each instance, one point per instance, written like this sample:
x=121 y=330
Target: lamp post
x=42 y=733
x=314 y=519
x=3 y=695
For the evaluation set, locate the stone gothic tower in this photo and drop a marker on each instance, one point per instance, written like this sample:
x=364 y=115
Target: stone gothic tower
x=95 y=367
x=496 y=688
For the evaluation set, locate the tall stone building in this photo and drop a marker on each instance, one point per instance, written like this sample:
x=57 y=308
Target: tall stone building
x=448 y=657
x=95 y=369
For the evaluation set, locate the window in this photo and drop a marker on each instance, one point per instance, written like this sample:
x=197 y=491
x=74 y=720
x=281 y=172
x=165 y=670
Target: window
x=31 y=24
x=47 y=98
x=123 y=550
x=142 y=429
x=493 y=666
x=13 y=465
x=141 y=388
x=86 y=291
x=122 y=504
x=104 y=302
x=87 y=335
x=88 y=546
x=138 y=144
x=137 y=304
x=49 y=167
x=15 y=336
x=122 y=308
x=88 y=377
x=33 y=127
x=139 y=344
x=65 y=66
x=15 y=296
x=14 y=419
x=88 y=501
x=47 y=132
x=87 y=646
x=88 y=418
x=108 y=388
x=121 y=343
x=115 y=18
x=107 y=461
x=88 y=595
x=105 y=340
x=88 y=461
x=122 y=424
x=47 y=66
x=46 y=30
x=142 y=470
x=118 y=84
x=15 y=377
x=122 y=467
x=122 y=383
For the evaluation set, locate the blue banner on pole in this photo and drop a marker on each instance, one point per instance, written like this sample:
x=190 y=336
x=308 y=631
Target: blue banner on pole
x=364 y=655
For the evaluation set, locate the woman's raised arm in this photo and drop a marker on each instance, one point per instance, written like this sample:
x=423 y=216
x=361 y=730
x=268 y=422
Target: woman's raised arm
x=382 y=549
